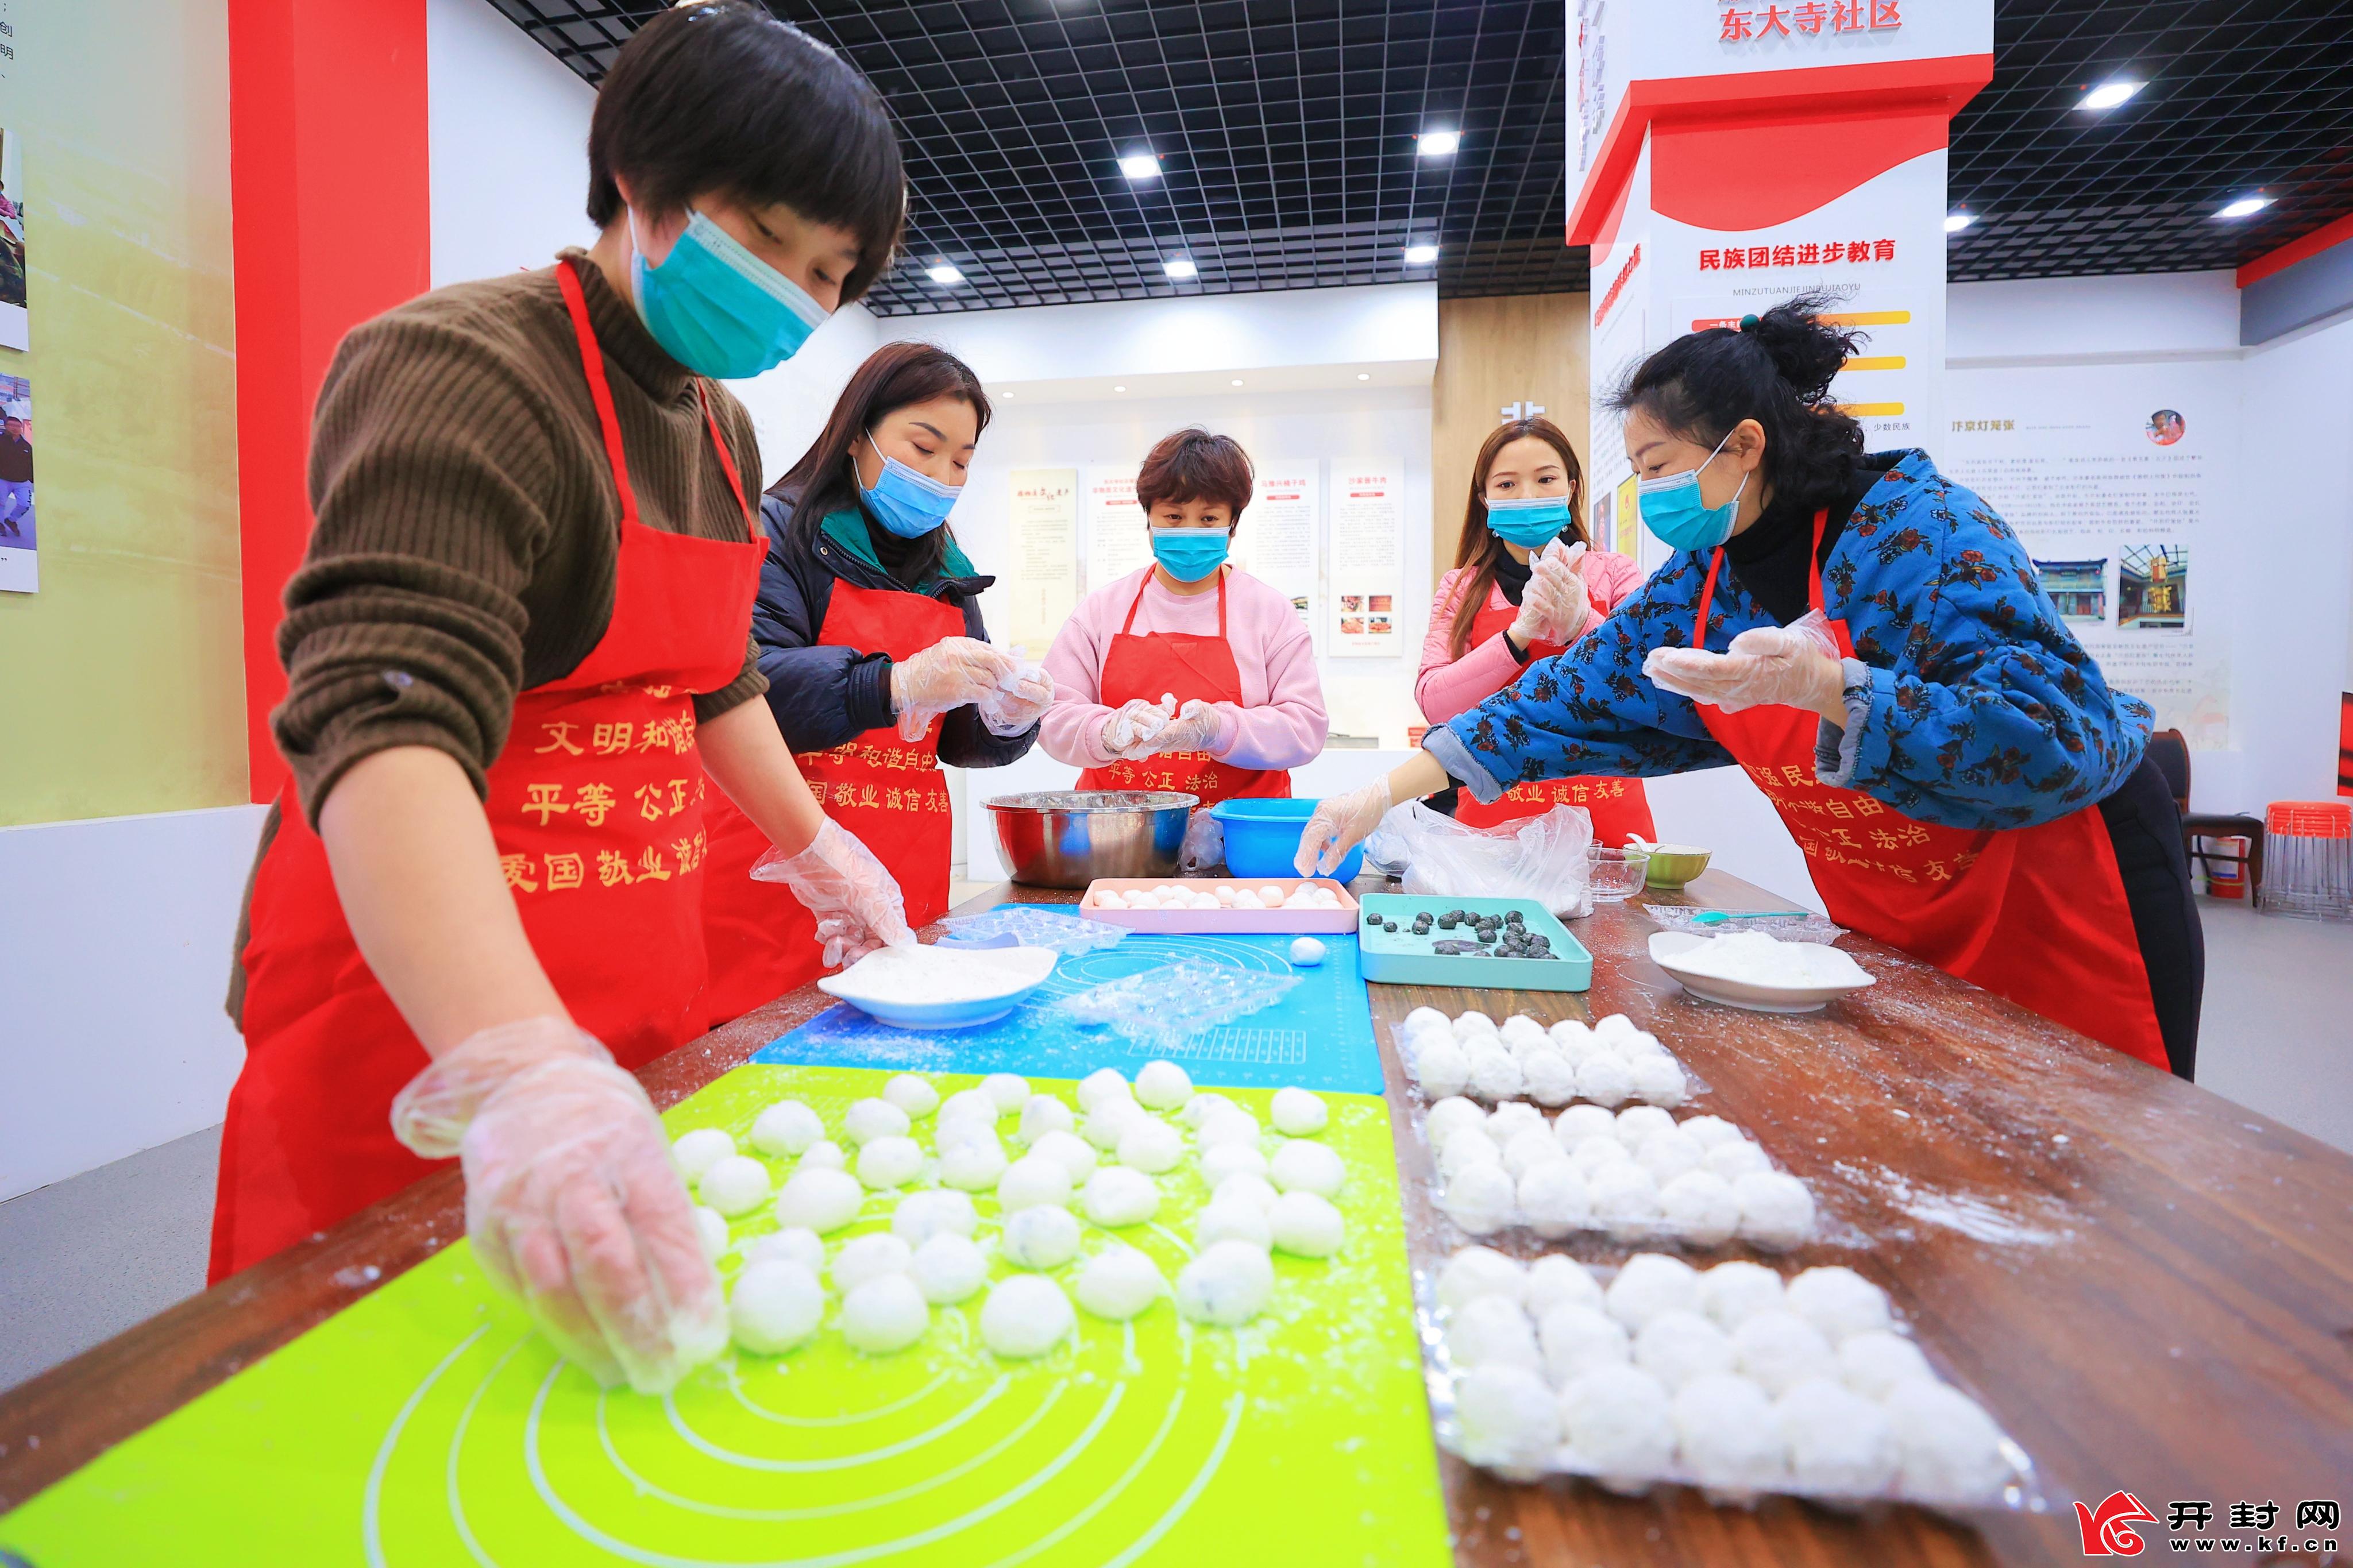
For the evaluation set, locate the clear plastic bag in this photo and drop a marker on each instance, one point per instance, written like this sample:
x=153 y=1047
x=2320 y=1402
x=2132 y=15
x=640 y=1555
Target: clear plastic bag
x=1205 y=847
x=1798 y=926
x=1167 y=1006
x=1034 y=927
x=1544 y=858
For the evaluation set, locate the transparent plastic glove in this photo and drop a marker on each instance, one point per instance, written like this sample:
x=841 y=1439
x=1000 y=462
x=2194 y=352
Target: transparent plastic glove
x=853 y=895
x=950 y=673
x=1554 y=609
x=1194 y=728
x=1339 y=824
x=571 y=1200
x=1018 y=701
x=1129 y=732
x=1795 y=666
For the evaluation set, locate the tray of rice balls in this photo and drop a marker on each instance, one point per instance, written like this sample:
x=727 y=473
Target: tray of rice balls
x=1212 y=906
x=1502 y=944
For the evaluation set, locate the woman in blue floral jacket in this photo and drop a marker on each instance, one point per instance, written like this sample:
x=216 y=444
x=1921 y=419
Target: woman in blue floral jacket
x=1963 y=782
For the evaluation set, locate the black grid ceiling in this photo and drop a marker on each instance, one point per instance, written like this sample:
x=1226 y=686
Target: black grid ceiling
x=1286 y=133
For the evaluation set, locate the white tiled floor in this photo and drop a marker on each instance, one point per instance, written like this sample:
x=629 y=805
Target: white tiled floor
x=85 y=1259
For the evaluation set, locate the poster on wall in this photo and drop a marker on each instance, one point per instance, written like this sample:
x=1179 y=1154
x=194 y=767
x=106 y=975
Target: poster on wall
x=15 y=321
x=1277 y=541
x=1044 y=524
x=20 y=541
x=1368 y=560
x=2113 y=478
x=1118 y=542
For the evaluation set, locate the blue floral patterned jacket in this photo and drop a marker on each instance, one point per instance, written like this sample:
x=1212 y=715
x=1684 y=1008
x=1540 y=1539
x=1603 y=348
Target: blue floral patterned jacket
x=1969 y=702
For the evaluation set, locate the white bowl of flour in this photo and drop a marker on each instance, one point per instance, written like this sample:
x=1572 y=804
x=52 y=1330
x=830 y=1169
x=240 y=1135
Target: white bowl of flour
x=941 y=987
x=1752 y=970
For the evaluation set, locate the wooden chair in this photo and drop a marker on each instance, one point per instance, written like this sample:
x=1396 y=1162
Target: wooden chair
x=2171 y=752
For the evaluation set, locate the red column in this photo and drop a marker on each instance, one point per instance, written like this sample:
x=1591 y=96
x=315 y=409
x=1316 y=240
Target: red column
x=330 y=179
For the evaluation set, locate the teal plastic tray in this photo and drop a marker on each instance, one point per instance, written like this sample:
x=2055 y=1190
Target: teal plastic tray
x=1404 y=959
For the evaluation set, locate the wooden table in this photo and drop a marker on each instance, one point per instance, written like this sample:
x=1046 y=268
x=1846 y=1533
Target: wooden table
x=2150 y=1287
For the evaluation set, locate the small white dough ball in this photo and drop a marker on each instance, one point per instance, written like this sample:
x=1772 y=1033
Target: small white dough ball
x=1553 y=1198
x=786 y=1127
x=1106 y=1124
x=1025 y=1317
x=1522 y=1032
x=1474 y=1271
x=1198 y=1109
x=948 y=1268
x=1698 y=1206
x=1471 y=1025
x=912 y=1095
x=1625 y=1199
x=1580 y=1122
x=1450 y=1116
x=1589 y=1156
x=1951 y=1450
x=973 y=1165
x=1840 y=1303
x=1839 y=1441
x=1045 y=1236
x=922 y=1215
x=823 y=1200
x=1488 y=1330
x=1163 y=1086
x=710 y=1229
x=1306 y=952
x=1675 y=1347
x=967 y=1110
x=1496 y=1074
x=1480 y=1199
x=1777 y=1213
x=1575 y=1340
x=868 y=1119
x=1728 y=1432
x=1469 y=1147
x=1557 y=1279
x=1621 y=1420
x=1734 y=1292
x=1425 y=1016
x=1032 y=1180
x=1226 y=1124
x=824 y=1154
x=889 y=1162
x=1710 y=1130
x=1100 y=1087
x=1298 y=1112
x=1300 y=1166
x=1549 y=1077
x=1068 y=1149
x=1604 y=1080
x=1232 y=1222
x=1507 y=1419
x=1876 y=1363
x=1532 y=1147
x=1572 y=1040
x=1656 y=1080
x=1118 y=1283
x=1242 y=1187
x=1306 y=1225
x=1615 y=1026
x=1442 y=1068
x=1736 y=1158
x=1009 y=1090
x=735 y=1185
x=799 y=1244
x=1227 y=1285
x=1649 y=1284
x=1780 y=1349
x=868 y=1257
x=1222 y=1159
x=1117 y=1196
x=1637 y=1122
x=1669 y=1154
x=1151 y=1146
x=1512 y=1118
x=695 y=1153
x=1041 y=1114
x=885 y=1314
x=775 y=1306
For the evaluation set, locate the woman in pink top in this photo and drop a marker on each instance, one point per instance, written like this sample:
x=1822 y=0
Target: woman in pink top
x=1536 y=586
x=1230 y=648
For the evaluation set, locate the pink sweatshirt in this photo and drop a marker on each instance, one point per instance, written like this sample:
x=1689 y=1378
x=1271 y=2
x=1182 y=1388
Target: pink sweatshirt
x=1279 y=721
x=1447 y=685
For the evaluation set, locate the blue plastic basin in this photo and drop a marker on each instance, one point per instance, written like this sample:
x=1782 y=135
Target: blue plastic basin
x=1262 y=838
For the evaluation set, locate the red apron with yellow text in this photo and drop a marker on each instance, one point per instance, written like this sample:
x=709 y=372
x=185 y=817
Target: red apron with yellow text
x=1617 y=806
x=887 y=792
x=2035 y=914
x=596 y=806
x=1189 y=667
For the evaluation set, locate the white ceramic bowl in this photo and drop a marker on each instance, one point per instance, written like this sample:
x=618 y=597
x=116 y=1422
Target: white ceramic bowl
x=865 y=985
x=1668 y=948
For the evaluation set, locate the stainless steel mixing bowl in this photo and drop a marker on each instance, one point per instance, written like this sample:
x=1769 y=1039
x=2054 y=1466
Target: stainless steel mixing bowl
x=1066 y=838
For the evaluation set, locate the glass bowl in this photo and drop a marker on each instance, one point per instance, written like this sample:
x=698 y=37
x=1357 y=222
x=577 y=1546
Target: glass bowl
x=1617 y=873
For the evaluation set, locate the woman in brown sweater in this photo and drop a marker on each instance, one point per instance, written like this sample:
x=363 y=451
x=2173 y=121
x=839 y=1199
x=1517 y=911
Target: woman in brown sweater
x=518 y=649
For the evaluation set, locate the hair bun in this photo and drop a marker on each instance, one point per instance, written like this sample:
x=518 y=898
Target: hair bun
x=1806 y=350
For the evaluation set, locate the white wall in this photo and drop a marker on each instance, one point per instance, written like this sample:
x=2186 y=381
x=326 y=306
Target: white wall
x=2092 y=320
x=508 y=154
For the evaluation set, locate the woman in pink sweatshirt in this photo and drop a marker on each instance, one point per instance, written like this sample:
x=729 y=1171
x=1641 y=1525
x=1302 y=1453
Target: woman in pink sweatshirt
x=1230 y=648
x=1525 y=584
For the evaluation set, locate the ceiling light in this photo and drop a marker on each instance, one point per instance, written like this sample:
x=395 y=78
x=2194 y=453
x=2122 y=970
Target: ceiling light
x=1420 y=254
x=1956 y=222
x=1181 y=267
x=1363 y=375
x=1438 y=144
x=1119 y=389
x=1237 y=381
x=2245 y=207
x=944 y=274
x=1140 y=166
x=2108 y=94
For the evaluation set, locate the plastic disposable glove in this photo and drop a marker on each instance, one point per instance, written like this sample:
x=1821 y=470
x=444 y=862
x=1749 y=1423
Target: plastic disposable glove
x=1018 y=701
x=572 y=1202
x=1554 y=609
x=1339 y=824
x=1796 y=666
x=854 y=896
x=950 y=673
x=1194 y=728
x=1131 y=731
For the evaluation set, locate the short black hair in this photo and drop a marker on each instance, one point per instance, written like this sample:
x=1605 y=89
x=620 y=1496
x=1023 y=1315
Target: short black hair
x=720 y=95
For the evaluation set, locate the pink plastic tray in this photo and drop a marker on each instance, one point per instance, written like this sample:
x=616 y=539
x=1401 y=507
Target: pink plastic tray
x=1212 y=922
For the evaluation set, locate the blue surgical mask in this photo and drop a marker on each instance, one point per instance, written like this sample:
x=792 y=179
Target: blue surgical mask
x=907 y=503
x=1528 y=521
x=1672 y=510
x=1189 y=554
x=719 y=309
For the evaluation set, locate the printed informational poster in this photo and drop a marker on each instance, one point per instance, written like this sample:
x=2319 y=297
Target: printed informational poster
x=16 y=323
x=1368 y=559
x=1044 y=524
x=20 y=542
x=1118 y=542
x=2112 y=478
x=1277 y=542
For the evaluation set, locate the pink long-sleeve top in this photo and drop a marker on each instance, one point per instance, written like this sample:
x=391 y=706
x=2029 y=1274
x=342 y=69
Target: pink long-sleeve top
x=1279 y=721
x=1447 y=685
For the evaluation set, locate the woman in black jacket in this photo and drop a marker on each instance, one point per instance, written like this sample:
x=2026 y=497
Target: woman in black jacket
x=879 y=668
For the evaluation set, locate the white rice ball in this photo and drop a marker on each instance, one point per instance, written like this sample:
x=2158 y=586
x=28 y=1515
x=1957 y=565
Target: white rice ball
x=1604 y=1080
x=1163 y=1086
x=1532 y=1147
x=1588 y=1157
x=1474 y=1271
x=1549 y=1077
x=1649 y=1284
x=1473 y=1024
x=887 y=1313
x=1579 y=1122
x=1238 y=1220
x=868 y=1257
x=786 y=1127
x=948 y=1268
x=1511 y=1118
x=1734 y=1292
x=1306 y=951
x=774 y=1305
x=1950 y=1448
x=966 y=1110
x=1244 y=1188
x=1507 y=1420
x=1571 y=1035
x=1421 y=1016
x=1068 y=1149
x=1777 y=1213
x=695 y=1153
x=1009 y=1090
x=1301 y=1166
x=1615 y=1026
x=1576 y=1339
x=1229 y=1124
x=710 y=1229
x=1553 y=1199
x=1877 y=1361
x=1442 y=1068
x=1045 y=1236
x=1840 y=1303
x=1041 y=1114
x=1620 y=1420
x=868 y=1119
x=912 y=1095
x=1669 y=1154
x=1222 y=1159
x=735 y=1184
x=1033 y=1180
x=1557 y=1279
x=1106 y=1124
x=822 y=1200
x=1780 y=1349
x=1728 y=1433
x=1637 y=1122
x=1710 y=1130
x=1025 y=1317
x=1487 y=1329
x=1117 y=1196
x=1480 y=1199
x=889 y=1162
x=1451 y=1116
x=973 y=1164
x=1151 y=1146
x=922 y=1215
x=1698 y=1206
x=1469 y=1147
x=1625 y=1199
x=1298 y=1112
x=1494 y=1073
x=799 y=1244
x=1306 y=1226
x=1736 y=1158
x=1839 y=1441
x=1227 y=1285
x=1522 y=1032
x=1676 y=1347
x=1656 y=1080
x=1100 y=1088
x=1118 y=1283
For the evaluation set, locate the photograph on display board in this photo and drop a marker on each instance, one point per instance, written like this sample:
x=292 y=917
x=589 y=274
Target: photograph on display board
x=2079 y=588
x=2166 y=426
x=2153 y=588
x=19 y=539
x=15 y=331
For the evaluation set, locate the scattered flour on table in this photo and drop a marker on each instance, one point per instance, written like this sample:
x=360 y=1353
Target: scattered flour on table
x=1976 y=1216
x=1752 y=958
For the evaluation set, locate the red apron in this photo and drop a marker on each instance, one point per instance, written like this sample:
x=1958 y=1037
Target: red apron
x=887 y=792
x=1190 y=666
x=596 y=806
x=2035 y=914
x=1617 y=806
